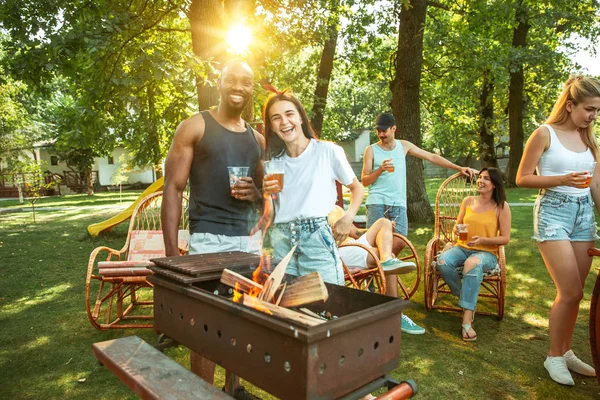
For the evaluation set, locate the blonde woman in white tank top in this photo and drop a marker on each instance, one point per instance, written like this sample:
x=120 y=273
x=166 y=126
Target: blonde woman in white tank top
x=564 y=225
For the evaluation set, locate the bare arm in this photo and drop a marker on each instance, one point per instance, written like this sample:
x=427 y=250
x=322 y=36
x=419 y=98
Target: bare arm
x=177 y=170
x=595 y=187
x=436 y=159
x=368 y=175
x=538 y=142
x=342 y=227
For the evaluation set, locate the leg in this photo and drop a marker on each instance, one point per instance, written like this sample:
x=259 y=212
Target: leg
x=473 y=270
x=379 y=235
x=400 y=219
x=447 y=263
x=202 y=367
x=561 y=262
x=584 y=263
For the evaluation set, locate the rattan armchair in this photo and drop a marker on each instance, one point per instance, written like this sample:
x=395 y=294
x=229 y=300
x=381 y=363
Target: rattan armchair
x=375 y=277
x=117 y=294
x=447 y=207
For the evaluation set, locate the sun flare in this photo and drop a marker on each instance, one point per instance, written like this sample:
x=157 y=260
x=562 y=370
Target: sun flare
x=239 y=38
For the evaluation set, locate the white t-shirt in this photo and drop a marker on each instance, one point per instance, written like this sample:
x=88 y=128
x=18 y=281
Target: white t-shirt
x=309 y=182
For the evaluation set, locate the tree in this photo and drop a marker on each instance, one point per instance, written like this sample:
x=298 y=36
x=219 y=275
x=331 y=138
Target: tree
x=405 y=102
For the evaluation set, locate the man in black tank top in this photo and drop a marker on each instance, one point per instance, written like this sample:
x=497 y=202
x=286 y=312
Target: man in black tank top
x=203 y=147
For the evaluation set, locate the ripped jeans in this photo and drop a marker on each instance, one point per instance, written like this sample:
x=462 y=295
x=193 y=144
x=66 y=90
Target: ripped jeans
x=558 y=216
x=450 y=263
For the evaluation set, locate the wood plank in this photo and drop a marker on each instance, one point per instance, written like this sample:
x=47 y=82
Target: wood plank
x=305 y=289
x=150 y=373
x=280 y=312
x=199 y=264
x=239 y=282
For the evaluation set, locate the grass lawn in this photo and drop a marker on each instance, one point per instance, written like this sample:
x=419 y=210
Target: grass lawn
x=46 y=336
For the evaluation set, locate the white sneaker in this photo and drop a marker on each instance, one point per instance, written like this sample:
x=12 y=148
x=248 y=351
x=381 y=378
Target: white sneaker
x=557 y=368
x=576 y=365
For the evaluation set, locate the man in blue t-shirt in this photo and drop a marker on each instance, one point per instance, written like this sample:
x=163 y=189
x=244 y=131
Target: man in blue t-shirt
x=384 y=172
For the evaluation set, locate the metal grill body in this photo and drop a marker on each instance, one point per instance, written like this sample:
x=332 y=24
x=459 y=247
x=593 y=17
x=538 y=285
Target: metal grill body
x=285 y=358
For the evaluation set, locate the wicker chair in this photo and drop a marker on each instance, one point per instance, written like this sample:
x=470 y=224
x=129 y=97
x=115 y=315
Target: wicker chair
x=364 y=278
x=116 y=284
x=447 y=206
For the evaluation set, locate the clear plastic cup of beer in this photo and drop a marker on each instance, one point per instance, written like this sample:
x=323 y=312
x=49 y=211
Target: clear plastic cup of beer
x=463 y=231
x=274 y=170
x=588 y=167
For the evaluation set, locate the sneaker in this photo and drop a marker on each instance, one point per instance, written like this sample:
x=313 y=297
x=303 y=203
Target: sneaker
x=408 y=326
x=393 y=266
x=576 y=365
x=557 y=368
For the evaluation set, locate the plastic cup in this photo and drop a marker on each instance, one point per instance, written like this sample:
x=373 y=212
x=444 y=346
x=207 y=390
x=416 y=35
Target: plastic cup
x=274 y=170
x=235 y=173
x=588 y=167
x=390 y=166
x=463 y=230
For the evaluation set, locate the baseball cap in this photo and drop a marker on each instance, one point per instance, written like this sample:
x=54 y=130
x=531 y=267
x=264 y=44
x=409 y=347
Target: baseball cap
x=384 y=121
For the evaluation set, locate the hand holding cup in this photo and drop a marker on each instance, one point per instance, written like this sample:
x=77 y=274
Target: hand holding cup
x=585 y=172
x=274 y=173
x=388 y=165
x=239 y=182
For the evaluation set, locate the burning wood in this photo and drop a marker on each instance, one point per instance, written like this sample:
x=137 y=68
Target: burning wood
x=280 y=311
x=240 y=282
x=274 y=280
x=305 y=289
x=272 y=297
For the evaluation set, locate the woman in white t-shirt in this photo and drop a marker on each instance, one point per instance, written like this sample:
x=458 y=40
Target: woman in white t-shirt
x=564 y=151
x=311 y=168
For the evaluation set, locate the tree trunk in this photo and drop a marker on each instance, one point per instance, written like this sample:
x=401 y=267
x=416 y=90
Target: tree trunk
x=515 y=95
x=90 y=182
x=405 y=103
x=324 y=73
x=487 y=149
x=206 y=18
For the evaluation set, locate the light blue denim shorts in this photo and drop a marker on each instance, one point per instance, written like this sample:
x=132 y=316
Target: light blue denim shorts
x=316 y=249
x=558 y=216
x=393 y=213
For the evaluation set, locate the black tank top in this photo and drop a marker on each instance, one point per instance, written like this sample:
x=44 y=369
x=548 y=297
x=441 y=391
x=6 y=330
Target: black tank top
x=212 y=208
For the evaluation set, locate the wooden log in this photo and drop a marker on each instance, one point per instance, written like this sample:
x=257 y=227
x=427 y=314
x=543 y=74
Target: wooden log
x=305 y=289
x=278 y=311
x=239 y=282
x=274 y=280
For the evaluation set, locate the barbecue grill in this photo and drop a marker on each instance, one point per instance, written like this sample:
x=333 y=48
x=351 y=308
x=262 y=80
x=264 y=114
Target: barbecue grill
x=283 y=357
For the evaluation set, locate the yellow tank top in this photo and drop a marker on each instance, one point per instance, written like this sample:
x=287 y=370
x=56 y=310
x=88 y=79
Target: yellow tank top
x=483 y=224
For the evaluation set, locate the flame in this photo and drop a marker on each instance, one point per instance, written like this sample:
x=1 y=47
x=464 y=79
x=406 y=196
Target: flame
x=261 y=273
x=237 y=295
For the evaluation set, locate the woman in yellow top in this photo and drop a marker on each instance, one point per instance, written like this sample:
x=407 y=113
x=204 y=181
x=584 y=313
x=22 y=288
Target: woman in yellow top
x=488 y=218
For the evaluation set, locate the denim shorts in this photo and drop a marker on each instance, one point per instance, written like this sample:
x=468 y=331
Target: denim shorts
x=558 y=216
x=396 y=214
x=316 y=248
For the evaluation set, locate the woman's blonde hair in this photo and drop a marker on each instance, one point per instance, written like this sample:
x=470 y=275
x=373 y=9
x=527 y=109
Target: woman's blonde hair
x=577 y=89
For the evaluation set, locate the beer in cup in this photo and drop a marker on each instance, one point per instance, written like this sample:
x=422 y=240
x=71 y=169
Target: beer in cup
x=588 y=167
x=463 y=230
x=235 y=173
x=390 y=165
x=274 y=171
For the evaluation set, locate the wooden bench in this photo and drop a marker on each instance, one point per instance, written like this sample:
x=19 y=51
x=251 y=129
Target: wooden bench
x=150 y=373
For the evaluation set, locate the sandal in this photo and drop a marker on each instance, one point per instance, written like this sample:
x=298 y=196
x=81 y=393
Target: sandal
x=465 y=336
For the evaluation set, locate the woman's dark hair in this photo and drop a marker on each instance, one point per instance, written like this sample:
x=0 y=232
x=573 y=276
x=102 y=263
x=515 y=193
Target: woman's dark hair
x=499 y=194
x=275 y=146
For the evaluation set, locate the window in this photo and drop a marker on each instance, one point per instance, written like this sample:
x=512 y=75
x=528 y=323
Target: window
x=53 y=160
x=111 y=160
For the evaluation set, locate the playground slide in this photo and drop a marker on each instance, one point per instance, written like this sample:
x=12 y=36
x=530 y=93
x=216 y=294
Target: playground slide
x=124 y=215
